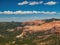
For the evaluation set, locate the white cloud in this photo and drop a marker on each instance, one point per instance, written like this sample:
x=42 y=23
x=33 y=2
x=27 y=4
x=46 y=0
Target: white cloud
x=23 y=12
x=23 y=3
x=50 y=3
x=30 y=3
x=43 y=12
x=27 y=12
x=35 y=3
x=7 y=12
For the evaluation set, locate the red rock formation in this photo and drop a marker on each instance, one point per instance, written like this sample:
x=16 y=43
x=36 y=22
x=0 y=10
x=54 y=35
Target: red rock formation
x=43 y=27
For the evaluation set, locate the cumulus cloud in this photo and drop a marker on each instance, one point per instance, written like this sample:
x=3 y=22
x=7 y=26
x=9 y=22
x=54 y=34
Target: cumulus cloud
x=27 y=12
x=7 y=12
x=43 y=12
x=35 y=3
x=23 y=3
x=30 y=3
x=50 y=3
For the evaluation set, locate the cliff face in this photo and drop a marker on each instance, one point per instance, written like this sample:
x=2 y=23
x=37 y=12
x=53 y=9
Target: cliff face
x=44 y=26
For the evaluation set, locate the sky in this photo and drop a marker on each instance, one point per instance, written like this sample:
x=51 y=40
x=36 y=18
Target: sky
x=25 y=10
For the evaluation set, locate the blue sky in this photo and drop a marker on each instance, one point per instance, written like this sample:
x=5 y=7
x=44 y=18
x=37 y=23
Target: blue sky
x=25 y=10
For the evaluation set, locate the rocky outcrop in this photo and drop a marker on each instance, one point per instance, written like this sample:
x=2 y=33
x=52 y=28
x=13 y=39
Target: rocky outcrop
x=43 y=27
x=53 y=26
